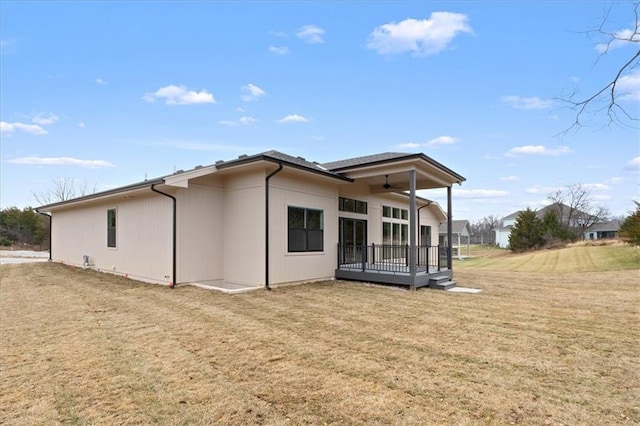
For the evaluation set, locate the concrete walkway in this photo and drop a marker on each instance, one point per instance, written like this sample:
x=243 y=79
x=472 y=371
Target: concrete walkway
x=22 y=256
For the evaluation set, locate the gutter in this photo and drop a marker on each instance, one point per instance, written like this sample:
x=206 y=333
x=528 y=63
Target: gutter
x=50 y=230
x=266 y=224
x=173 y=276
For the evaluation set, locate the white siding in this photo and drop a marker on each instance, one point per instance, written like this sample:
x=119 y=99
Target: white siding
x=143 y=237
x=243 y=216
x=200 y=238
x=292 y=188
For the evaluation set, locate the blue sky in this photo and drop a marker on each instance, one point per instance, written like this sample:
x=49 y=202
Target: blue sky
x=110 y=92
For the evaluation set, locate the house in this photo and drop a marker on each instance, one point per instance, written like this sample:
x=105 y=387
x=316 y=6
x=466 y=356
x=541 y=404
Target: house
x=504 y=231
x=265 y=219
x=572 y=217
x=602 y=230
x=461 y=234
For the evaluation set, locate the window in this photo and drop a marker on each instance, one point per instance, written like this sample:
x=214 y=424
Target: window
x=395 y=212
x=305 y=230
x=111 y=228
x=353 y=206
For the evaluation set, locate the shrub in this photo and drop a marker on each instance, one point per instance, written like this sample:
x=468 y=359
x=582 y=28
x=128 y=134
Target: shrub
x=5 y=242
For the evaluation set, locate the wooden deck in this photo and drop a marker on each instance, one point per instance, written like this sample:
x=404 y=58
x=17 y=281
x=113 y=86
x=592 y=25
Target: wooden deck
x=355 y=272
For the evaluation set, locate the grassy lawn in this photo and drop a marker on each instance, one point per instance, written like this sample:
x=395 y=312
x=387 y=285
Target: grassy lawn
x=81 y=347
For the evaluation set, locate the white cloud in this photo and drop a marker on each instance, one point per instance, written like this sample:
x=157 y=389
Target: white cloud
x=510 y=178
x=421 y=37
x=243 y=121
x=279 y=50
x=9 y=128
x=633 y=165
x=537 y=150
x=100 y=81
x=278 y=33
x=614 y=180
x=251 y=92
x=442 y=140
x=479 y=193
x=311 y=34
x=44 y=118
x=533 y=102
x=539 y=189
x=316 y=137
x=622 y=38
x=180 y=95
x=8 y=46
x=628 y=87
x=596 y=186
x=62 y=161
x=81 y=125
x=409 y=145
x=292 y=118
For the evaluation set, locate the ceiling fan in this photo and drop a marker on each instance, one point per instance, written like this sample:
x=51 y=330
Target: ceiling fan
x=387 y=185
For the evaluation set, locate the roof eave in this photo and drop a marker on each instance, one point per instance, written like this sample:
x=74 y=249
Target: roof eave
x=104 y=194
x=268 y=158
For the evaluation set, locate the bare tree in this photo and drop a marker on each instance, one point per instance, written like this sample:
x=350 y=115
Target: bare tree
x=62 y=189
x=482 y=230
x=612 y=92
x=576 y=208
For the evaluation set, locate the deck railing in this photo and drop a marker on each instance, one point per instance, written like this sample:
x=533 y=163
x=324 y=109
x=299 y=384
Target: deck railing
x=391 y=258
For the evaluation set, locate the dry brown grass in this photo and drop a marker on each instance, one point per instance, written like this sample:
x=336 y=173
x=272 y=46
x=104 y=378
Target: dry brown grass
x=81 y=347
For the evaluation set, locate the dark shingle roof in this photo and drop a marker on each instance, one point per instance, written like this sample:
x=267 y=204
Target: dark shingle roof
x=611 y=226
x=276 y=156
x=457 y=226
x=367 y=159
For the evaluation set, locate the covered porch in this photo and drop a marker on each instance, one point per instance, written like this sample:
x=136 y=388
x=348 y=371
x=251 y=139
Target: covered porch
x=413 y=263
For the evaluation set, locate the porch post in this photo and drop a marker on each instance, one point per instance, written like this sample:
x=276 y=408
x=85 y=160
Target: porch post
x=449 y=229
x=412 y=225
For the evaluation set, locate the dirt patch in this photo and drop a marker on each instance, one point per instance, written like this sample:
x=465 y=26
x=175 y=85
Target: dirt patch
x=90 y=348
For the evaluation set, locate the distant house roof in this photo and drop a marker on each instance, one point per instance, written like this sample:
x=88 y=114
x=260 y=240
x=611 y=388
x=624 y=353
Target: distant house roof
x=562 y=209
x=611 y=226
x=457 y=227
x=512 y=215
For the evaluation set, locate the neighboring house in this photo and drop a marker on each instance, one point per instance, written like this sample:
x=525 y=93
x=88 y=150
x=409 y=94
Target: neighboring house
x=461 y=234
x=503 y=232
x=603 y=230
x=578 y=218
x=265 y=219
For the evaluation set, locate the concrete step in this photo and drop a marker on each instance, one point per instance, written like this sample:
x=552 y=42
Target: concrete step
x=442 y=284
x=439 y=278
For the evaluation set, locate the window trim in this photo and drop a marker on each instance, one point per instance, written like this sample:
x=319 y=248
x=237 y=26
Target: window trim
x=113 y=245
x=306 y=231
x=356 y=204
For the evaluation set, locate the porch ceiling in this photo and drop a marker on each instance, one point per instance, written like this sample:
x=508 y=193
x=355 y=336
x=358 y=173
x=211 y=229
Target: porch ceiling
x=397 y=175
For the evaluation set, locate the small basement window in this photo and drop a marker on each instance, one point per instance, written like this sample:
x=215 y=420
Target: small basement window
x=111 y=228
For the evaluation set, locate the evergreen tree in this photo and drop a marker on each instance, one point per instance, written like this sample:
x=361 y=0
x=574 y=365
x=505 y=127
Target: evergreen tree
x=630 y=228
x=527 y=232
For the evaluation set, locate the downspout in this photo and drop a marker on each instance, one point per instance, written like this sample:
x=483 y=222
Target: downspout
x=50 y=231
x=266 y=225
x=173 y=276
